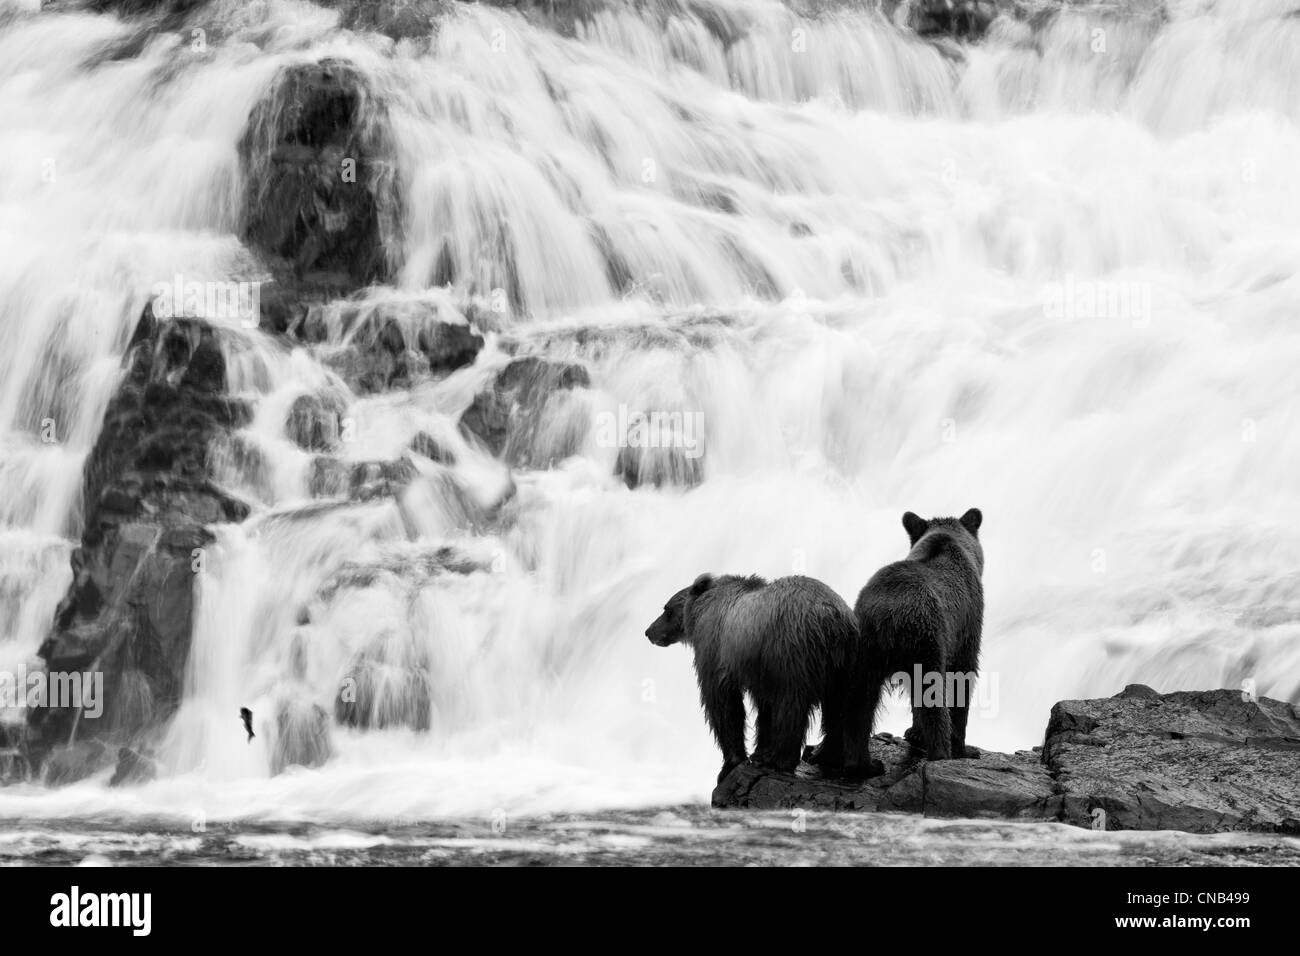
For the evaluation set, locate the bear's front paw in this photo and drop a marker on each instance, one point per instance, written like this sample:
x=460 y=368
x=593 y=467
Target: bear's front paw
x=966 y=752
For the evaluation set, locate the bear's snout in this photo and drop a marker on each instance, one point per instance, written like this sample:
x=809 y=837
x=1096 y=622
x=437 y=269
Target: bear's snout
x=658 y=633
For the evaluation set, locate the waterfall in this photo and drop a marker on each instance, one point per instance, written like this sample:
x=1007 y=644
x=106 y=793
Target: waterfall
x=1053 y=275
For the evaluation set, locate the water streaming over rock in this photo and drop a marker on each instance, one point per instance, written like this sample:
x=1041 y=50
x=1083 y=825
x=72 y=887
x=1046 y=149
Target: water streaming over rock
x=1054 y=275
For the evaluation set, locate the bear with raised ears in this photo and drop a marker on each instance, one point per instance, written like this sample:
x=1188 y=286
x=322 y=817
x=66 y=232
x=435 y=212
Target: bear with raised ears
x=925 y=611
x=782 y=642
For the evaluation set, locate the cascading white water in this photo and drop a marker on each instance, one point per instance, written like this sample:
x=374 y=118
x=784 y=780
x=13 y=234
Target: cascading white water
x=1055 y=279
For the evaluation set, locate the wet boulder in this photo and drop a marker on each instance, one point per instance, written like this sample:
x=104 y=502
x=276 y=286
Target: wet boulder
x=15 y=767
x=133 y=768
x=1202 y=761
x=320 y=183
x=376 y=693
x=429 y=447
x=148 y=499
x=661 y=449
x=380 y=479
x=963 y=19
x=71 y=763
x=519 y=415
x=395 y=19
x=395 y=342
x=302 y=736
x=361 y=480
x=1198 y=761
x=394 y=345
x=314 y=421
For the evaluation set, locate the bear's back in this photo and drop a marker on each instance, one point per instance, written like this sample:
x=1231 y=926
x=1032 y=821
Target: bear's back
x=788 y=626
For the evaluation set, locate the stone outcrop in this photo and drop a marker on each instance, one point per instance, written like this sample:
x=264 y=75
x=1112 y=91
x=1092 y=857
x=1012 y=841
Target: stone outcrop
x=1202 y=761
x=148 y=500
x=319 y=201
x=509 y=414
x=1199 y=761
x=394 y=344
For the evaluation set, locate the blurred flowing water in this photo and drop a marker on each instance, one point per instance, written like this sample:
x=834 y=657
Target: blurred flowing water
x=1055 y=276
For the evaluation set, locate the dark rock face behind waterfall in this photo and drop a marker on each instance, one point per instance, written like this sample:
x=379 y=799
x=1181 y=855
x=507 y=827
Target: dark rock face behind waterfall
x=507 y=415
x=1200 y=761
x=148 y=499
x=319 y=196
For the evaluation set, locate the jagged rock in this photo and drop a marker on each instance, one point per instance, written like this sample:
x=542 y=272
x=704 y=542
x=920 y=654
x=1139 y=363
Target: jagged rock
x=1008 y=786
x=370 y=370
x=319 y=186
x=137 y=8
x=966 y=19
x=380 y=479
x=417 y=570
x=397 y=19
x=14 y=764
x=376 y=692
x=1013 y=786
x=1200 y=761
x=328 y=478
x=509 y=415
x=428 y=446
x=70 y=763
x=669 y=464
x=302 y=737
x=238 y=460
x=449 y=345
x=133 y=768
x=147 y=499
x=359 y=481
x=314 y=422
x=393 y=344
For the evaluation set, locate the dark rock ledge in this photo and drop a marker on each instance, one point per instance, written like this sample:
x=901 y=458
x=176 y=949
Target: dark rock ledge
x=1199 y=761
x=148 y=498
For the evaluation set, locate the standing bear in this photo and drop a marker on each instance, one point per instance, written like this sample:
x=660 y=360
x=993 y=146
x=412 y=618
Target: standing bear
x=783 y=642
x=920 y=617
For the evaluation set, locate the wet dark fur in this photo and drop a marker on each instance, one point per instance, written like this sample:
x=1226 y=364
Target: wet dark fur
x=781 y=642
x=927 y=609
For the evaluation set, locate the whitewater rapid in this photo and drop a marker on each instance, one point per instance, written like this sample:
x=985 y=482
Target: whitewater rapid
x=1054 y=283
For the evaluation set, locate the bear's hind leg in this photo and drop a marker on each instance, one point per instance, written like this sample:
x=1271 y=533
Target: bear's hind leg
x=829 y=754
x=788 y=726
x=961 y=684
x=859 y=720
x=763 y=736
x=957 y=718
x=931 y=730
x=934 y=727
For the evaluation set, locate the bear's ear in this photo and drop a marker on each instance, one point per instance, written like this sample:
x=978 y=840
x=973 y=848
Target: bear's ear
x=972 y=520
x=702 y=584
x=915 y=526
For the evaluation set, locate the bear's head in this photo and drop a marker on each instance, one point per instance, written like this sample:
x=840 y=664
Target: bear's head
x=670 y=626
x=963 y=532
